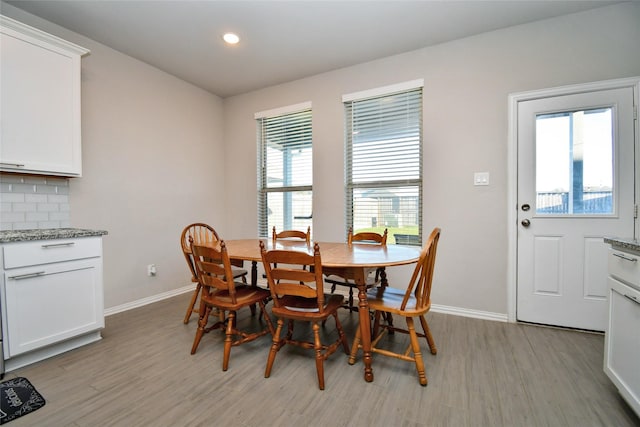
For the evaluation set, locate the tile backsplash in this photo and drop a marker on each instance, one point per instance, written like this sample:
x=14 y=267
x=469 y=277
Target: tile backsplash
x=33 y=202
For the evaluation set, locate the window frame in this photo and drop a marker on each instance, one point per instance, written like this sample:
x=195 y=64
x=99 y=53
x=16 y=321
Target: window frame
x=263 y=187
x=413 y=183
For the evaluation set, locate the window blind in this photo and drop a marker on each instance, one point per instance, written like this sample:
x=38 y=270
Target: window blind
x=383 y=162
x=285 y=171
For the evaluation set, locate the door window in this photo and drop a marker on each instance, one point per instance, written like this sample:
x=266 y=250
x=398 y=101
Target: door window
x=574 y=163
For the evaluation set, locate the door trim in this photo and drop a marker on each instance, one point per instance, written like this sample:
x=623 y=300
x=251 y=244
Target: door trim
x=512 y=166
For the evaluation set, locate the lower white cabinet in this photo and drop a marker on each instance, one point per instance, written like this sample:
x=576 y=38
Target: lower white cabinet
x=622 y=337
x=52 y=292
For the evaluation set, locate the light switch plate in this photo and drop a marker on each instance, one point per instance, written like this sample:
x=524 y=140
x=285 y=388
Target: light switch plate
x=481 y=178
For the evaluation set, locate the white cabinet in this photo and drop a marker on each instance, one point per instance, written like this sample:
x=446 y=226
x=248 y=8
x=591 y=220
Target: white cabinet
x=622 y=337
x=40 y=101
x=52 y=292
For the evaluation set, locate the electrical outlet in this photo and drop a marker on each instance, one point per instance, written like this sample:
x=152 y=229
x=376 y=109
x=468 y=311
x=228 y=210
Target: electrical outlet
x=151 y=270
x=481 y=178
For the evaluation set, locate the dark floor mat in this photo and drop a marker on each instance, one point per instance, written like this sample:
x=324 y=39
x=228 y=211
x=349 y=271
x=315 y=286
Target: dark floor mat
x=18 y=397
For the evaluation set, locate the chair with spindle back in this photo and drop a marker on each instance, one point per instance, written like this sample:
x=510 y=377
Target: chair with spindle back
x=415 y=302
x=292 y=234
x=298 y=295
x=202 y=233
x=219 y=290
x=373 y=277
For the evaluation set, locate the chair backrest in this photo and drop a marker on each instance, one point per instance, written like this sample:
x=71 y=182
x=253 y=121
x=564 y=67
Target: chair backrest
x=213 y=267
x=292 y=234
x=367 y=236
x=420 y=284
x=200 y=233
x=288 y=275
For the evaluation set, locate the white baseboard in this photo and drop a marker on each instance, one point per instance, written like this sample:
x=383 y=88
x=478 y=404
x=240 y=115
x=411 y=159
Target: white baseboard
x=465 y=312
x=456 y=311
x=148 y=300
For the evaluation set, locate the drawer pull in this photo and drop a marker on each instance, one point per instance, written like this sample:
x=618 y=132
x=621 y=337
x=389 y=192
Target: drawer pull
x=18 y=165
x=626 y=258
x=30 y=275
x=632 y=298
x=60 y=245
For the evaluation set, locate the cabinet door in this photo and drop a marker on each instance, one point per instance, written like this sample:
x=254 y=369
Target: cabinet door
x=40 y=104
x=47 y=304
x=622 y=342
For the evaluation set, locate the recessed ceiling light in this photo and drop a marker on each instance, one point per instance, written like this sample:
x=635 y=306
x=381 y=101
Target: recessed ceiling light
x=231 y=38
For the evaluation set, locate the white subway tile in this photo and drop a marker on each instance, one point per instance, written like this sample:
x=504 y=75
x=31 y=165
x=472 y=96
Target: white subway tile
x=35 y=198
x=37 y=216
x=11 y=178
x=59 y=216
x=25 y=225
x=46 y=189
x=24 y=207
x=57 y=198
x=48 y=224
x=24 y=188
x=12 y=197
x=47 y=207
x=13 y=217
x=35 y=180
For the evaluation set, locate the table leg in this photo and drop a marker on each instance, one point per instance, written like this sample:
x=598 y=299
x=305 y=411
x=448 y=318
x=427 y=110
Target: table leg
x=365 y=323
x=254 y=273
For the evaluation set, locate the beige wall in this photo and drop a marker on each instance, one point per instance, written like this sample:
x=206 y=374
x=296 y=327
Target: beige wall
x=156 y=150
x=467 y=83
x=152 y=163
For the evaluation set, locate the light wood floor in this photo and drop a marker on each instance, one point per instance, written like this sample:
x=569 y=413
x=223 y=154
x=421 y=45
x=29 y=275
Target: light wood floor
x=485 y=374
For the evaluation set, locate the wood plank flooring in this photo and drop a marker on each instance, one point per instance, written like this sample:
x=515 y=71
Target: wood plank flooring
x=485 y=374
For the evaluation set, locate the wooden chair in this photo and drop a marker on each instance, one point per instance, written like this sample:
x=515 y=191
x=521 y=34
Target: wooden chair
x=292 y=234
x=201 y=234
x=412 y=303
x=379 y=278
x=298 y=295
x=213 y=268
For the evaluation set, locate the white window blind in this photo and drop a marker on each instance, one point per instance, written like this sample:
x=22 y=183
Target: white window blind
x=285 y=172
x=384 y=165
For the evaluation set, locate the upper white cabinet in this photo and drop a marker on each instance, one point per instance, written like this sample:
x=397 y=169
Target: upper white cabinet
x=40 y=102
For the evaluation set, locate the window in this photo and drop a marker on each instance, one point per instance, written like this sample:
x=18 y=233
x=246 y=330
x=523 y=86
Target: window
x=574 y=162
x=284 y=169
x=384 y=162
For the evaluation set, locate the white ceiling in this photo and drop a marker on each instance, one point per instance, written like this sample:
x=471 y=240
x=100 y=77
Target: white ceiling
x=282 y=40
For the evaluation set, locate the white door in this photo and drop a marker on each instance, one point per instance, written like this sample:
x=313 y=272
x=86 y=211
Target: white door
x=575 y=186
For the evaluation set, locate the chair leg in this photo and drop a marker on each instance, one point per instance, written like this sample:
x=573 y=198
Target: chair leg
x=376 y=324
x=350 y=297
x=354 y=347
x=275 y=346
x=267 y=319
x=202 y=324
x=228 y=339
x=417 y=354
x=383 y=277
x=192 y=304
x=290 y=329
x=317 y=345
x=427 y=333
x=388 y=317
x=341 y=335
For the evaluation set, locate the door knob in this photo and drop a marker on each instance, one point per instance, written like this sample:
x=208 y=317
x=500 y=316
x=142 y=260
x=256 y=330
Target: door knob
x=525 y=223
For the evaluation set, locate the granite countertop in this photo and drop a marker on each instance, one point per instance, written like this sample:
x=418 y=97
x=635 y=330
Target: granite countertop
x=47 y=234
x=624 y=243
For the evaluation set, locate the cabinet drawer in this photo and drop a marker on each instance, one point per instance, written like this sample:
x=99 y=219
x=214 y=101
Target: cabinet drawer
x=24 y=254
x=625 y=267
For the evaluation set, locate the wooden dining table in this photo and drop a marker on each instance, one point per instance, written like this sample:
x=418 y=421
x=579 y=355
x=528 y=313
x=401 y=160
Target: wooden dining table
x=347 y=260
